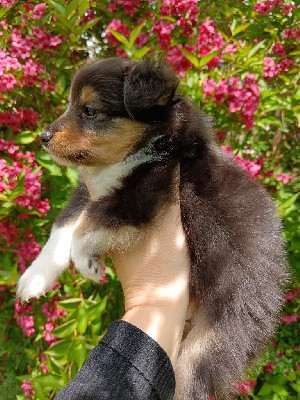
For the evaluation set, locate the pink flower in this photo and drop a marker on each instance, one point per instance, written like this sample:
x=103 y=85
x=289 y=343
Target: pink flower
x=245 y=387
x=7 y=3
x=142 y=39
x=271 y=69
x=88 y=16
x=27 y=251
x=181 y=8
x=51 y=310
x=285 y=179
x=44 y=368
x=49 y=337
x=230 y=49
x=8 y=82
x=269 y=367
x=116 y=25
x=39 y=10
x=8 y=231
x=28 y=389
x=278 y=49
x=289 y=319
x=264 y=7
x=291 y=34
x=163 y=30
x=220 y=135
x=178 y=61
x=49 y=326
x=129 y=7
x=252 y=167
x=26 y=322
x=186 y=12
x=209 y=39
x=239 y=96
x=291 y=295
x=209 y=86
x=286 y=64
x=287 y=8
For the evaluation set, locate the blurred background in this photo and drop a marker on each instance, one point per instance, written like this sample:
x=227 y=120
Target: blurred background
x=239 y=62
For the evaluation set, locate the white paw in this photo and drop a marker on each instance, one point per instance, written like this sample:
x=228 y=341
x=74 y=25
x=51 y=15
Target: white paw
x=89 y=266
x=36 y=281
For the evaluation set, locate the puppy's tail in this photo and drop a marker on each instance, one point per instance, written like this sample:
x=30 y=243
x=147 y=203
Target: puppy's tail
x=214 y=355
x=236 y=278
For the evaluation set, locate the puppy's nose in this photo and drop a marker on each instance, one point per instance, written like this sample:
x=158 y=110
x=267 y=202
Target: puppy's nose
x=46 y=136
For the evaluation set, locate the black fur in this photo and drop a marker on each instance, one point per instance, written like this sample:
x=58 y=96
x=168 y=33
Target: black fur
x=233 y=234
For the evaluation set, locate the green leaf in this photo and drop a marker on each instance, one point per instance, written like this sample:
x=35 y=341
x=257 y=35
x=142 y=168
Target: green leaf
x=46 y=161
x=70 y=305
x=240 y=28
x=140 y=53
x=95 y=311
x=296 y=387
x=89 y=24
x=26 y=137
x=71 y=7
x=72 y=175
x=265 y=390
x=49 y=381
x=193 y=59
x=169 y=18
x=59 y=8
x=206 y=59
x=134 y=35
x=120 y=38
x=280 y=390
x=3 y=11
x=82 y=319
x=83 y=6
x=39 y=390
x=233 y=25
x=285 y=208
x=78 y=352
x=62 y=82
x=256 y=48
x=65 y=329
x=59 y=349
x=70 y=301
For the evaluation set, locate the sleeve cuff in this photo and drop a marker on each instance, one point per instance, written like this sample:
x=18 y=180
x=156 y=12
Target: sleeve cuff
x=144 y=354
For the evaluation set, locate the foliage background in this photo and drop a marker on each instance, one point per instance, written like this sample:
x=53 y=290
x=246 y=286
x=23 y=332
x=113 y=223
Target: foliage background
x=239 y=61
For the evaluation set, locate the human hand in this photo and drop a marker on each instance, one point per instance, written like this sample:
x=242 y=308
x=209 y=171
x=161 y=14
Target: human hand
x=154 y=273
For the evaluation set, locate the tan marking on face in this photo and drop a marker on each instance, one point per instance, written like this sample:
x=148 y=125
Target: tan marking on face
x=109 y=148
x=113 y=147
x=69 y=141
x=87 y=95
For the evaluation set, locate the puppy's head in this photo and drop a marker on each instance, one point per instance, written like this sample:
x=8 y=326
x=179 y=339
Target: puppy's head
x=112 y=102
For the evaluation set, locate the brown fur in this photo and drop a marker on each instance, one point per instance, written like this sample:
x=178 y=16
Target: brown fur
x=87 y=95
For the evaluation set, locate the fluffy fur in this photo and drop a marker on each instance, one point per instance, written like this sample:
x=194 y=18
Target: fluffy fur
x=128 y=131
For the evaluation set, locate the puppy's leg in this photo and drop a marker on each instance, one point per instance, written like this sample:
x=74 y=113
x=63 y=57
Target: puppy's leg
x=51 y=262
x=55 y=256
x=90 y=245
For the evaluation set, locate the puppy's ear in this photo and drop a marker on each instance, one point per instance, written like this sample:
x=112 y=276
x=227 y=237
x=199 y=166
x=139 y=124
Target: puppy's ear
x=149 y=86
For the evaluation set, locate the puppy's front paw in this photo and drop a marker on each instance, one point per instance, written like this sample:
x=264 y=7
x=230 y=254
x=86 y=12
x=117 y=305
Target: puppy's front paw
x=35 y=281
x=89 y=266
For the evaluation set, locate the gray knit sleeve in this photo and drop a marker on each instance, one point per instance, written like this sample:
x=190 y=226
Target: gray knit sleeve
x=126 y=364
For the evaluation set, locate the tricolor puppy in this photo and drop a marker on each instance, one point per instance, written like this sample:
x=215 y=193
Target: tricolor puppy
x=134 y=140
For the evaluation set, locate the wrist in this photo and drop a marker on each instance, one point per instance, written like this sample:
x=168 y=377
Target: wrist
x=163 y=321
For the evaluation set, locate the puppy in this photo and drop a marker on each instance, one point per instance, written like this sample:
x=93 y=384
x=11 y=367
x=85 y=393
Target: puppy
x=130 y=132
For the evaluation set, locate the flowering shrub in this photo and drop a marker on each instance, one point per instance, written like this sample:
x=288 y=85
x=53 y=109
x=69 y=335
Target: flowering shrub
x=239 y=61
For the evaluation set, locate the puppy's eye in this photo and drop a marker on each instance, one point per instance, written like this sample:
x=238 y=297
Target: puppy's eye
x=89 y=111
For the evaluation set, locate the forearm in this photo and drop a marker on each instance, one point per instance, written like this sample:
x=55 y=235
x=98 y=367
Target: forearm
x=162 y=322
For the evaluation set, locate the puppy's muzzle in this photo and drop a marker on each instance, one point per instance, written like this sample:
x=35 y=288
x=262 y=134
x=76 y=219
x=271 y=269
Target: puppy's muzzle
x=46 y=136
